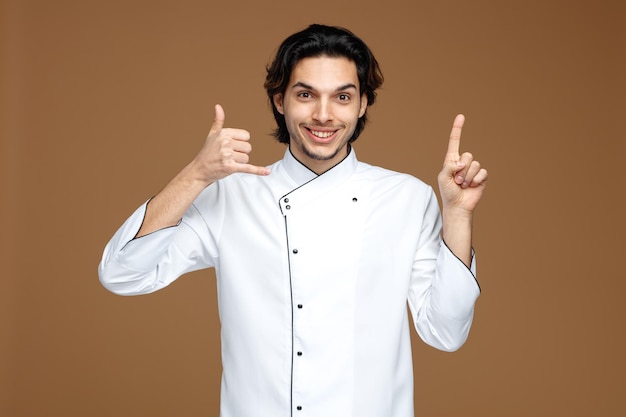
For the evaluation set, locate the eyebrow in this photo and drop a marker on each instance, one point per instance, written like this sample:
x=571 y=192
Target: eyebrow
x=338 y=89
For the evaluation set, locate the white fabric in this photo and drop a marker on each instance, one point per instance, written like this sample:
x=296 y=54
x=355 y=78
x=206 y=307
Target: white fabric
x=313 y=274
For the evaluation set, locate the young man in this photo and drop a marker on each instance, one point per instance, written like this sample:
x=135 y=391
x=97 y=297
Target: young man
x=317 y=255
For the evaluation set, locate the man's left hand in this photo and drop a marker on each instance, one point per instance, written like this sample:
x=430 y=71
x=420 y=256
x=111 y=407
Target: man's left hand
x=462 y=180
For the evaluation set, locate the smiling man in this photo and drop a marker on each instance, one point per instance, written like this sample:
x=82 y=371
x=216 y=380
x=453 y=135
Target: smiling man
x=317 y=255
x=321 y=105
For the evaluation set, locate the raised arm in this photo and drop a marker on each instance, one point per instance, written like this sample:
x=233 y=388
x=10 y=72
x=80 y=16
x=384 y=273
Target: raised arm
x=225 y=151
x=461 y=184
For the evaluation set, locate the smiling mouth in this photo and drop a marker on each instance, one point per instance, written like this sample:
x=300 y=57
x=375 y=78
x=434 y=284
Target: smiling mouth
x=321 y=134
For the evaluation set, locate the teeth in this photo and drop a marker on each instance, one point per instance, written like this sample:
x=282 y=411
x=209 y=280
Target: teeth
x=322 y=135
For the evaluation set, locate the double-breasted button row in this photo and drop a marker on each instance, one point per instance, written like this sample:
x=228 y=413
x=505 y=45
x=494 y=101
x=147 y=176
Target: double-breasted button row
x=294 y=251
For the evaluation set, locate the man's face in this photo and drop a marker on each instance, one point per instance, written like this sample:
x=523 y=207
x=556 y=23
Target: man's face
x=321 y=105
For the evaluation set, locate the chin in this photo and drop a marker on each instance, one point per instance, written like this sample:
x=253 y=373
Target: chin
x=322 y=155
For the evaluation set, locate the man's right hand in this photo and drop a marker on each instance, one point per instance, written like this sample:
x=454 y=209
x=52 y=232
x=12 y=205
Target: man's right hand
x=225 y=151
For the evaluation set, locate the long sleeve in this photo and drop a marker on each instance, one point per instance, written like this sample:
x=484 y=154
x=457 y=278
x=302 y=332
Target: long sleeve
x=443 y=290
x=133 y=266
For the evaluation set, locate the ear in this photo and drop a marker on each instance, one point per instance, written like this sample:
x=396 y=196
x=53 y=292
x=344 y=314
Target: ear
x=363 y=105
x=278 y=103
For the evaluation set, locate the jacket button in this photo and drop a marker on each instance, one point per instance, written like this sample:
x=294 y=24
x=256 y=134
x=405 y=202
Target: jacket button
x=299 y=305
x=287 y=206
x=286 y=200
x=299 y=407
x=295 y=251
x=299 y=353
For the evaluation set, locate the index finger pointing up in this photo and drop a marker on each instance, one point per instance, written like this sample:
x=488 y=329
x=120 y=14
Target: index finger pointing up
x=455 y=136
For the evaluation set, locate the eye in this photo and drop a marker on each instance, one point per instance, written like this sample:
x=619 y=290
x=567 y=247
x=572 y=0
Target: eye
x=304 y=94
x=343 y=97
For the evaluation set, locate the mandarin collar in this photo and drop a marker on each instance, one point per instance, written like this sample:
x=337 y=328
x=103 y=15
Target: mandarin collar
x=307 y=186
x=301 y=174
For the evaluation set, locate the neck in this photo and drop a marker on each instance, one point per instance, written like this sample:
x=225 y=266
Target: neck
x=319 y=166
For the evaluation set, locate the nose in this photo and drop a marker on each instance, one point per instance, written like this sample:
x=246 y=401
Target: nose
x=322 y=113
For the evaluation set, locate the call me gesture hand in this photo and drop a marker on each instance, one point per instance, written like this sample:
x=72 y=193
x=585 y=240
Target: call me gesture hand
x=461 y=183
x=225 y=151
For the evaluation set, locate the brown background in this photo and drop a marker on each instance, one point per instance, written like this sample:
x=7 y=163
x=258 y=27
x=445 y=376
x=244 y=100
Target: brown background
x=103 y=101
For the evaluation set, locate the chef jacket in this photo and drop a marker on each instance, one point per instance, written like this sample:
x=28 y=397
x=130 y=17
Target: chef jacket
x=314 y=273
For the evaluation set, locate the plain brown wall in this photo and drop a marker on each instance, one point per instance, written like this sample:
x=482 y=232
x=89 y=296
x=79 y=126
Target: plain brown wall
x=103 y=101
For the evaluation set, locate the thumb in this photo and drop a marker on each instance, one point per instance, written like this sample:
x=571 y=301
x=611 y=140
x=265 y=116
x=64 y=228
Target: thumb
x=218 y=120
x=452 y=171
